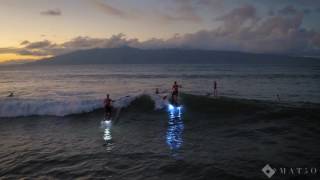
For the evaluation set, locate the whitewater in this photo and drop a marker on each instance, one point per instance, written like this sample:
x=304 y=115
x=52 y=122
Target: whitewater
x=28 y=107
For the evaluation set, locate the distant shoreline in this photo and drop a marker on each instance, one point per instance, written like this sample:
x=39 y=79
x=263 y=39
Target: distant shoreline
x=128 y=55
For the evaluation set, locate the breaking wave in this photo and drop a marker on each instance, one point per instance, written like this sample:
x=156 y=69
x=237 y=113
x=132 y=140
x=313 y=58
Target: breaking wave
x=53 y=107
x=143 y=102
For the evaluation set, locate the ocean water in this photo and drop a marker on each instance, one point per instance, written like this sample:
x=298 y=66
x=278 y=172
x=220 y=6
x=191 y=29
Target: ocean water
x=62 y=90
x=53 y=127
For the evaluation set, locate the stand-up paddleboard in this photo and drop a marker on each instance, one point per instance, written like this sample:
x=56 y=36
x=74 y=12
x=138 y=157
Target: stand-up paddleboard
x=106 y=123
x=107 y=120
x=172 y=102
x=174 y=109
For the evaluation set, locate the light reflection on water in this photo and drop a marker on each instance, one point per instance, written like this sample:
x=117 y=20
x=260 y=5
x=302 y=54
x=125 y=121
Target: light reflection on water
x=107 y=136
x=174 y=137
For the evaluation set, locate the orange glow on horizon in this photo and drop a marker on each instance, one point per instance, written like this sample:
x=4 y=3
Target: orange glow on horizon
x=16 y=57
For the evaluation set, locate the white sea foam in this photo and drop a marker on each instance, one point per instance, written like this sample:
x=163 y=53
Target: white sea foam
x=159 y=100
x=28 y=107
x=15 y=107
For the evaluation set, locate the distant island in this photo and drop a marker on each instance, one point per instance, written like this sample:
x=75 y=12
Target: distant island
x=128 y=55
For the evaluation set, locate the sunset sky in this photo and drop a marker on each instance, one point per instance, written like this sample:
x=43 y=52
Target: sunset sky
x=33 y=29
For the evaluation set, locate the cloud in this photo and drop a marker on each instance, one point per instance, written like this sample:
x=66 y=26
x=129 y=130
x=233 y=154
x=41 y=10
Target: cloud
x=307 y=11
x=241 y=29
x=88 y=43
x=288 y=10
x=22 y=51
x=238 y=17
x=271 y=12
x=109 y=9
x=298 y=3
x=38 y=44
x=26 y=52
x=8 y=50
x=178 y=10
x=164 y=12
x=51 y=12
x=211 y=4
x=181 y=10
x=48 y=48
x=241 y=14
x=174 y=18
x=189 y=10
x=37 y=48
x=193 y=5
x=24 y=42
x=309 y=3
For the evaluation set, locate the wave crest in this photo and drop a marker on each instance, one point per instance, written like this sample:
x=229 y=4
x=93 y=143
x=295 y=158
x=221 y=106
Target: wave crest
x=51 y=107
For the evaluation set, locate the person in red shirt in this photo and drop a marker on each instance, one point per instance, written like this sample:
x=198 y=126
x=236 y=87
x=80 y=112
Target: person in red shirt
x=108 y=106
x=175 y=93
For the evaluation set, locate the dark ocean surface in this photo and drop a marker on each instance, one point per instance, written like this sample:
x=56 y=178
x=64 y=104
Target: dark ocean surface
x=212 y=138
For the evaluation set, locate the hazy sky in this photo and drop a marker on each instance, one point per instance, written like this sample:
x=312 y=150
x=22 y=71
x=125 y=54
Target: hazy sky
x=40 y=28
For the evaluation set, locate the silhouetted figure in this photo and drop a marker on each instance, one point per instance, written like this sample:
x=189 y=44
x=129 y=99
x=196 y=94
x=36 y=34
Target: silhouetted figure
x=108 y=106
x=11 y=94
x=164 y=97
x=278 y=97
x=157 y=90
x=175 y=93
x=215 y=89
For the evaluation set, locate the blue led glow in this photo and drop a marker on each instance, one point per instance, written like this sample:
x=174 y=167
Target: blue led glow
x=174 y=111
x=174 y=133
x=170 y=107
x=175 y=127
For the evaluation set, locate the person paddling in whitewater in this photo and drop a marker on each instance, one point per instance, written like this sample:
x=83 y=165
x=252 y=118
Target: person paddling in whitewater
x=108 y=106
x=175 y=93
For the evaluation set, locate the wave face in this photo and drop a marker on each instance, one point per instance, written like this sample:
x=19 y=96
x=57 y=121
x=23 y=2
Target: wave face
x=64 y=107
